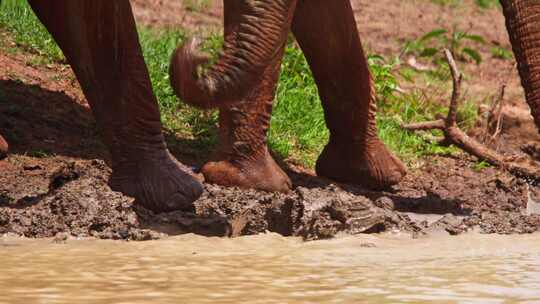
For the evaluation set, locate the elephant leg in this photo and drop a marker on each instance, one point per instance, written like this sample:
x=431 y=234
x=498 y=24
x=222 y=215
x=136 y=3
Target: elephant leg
x=99 y=40
x=523 y=24
x=242 y=158
x=327 y=33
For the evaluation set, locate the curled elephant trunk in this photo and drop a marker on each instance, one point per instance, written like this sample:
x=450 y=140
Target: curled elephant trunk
x=523 y=24
x=262 y=30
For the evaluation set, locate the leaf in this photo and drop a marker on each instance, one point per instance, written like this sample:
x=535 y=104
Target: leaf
x=376 y=57
x=433 y=34
x=476 y=38
x=473 y=54
x=429 y=52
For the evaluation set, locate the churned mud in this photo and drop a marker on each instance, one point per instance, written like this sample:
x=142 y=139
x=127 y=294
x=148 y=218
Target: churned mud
x=53 y=196
x=46 y=197
x=55 y=181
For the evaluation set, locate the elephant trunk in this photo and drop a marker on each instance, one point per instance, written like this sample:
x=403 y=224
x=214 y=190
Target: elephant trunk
x=262 y=30
x=523 y=24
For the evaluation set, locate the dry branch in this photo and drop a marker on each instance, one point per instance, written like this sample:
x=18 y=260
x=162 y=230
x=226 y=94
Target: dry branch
x=454 y=135
x=495 y=119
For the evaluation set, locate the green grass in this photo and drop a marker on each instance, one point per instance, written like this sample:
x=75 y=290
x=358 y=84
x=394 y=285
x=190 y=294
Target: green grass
x=298 y=131
x=196 y=5
x=488 y=3
x=27 y=31
x=483 y=4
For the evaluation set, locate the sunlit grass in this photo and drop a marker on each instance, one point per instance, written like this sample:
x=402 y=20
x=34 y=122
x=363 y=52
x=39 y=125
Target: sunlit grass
x=298 y=131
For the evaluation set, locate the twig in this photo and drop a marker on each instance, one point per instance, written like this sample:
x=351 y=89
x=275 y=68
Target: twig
x=496 y=112
x=425 y=126
x=456 y=91
x=454 y=135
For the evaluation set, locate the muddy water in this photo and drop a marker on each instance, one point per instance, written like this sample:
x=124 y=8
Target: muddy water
x=273 y=269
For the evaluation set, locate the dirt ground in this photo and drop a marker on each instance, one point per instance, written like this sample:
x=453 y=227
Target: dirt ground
x=55 y=181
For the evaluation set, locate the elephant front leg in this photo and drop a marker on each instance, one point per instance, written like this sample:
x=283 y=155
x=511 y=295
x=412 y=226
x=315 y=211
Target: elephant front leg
x=327 y=33
x=99 y=39
x=242 y=158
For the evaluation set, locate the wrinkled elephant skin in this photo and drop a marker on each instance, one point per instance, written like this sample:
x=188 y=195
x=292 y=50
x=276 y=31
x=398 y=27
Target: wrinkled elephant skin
x=523 y=24
x=327 y=33
x=99 y=40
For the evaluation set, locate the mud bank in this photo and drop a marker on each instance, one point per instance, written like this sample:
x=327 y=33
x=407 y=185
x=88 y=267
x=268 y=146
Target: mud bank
x=59 y=196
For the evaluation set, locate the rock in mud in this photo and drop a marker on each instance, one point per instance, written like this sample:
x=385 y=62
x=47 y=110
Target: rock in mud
x=4 y=147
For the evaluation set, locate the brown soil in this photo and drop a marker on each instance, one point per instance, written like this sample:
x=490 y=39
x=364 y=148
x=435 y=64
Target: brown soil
x=55 y=180
x=45 y=197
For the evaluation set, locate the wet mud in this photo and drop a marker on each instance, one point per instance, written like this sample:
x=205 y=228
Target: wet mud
x=59 y=196
x=54 y=182
x=50 y=197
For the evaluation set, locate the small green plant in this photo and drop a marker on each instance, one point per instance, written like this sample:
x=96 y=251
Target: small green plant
x=485 y=4
x=196 y=5
x=463 y=45
x=38 y=153
x=481 y=165
x=501 y=53
x=382 y=72
x=451 y=3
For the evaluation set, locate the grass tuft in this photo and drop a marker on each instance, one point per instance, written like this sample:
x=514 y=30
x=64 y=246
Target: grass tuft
x=27 y=31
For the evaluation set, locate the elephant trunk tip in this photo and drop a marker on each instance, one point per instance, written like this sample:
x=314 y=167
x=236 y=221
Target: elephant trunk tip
x=185 y=81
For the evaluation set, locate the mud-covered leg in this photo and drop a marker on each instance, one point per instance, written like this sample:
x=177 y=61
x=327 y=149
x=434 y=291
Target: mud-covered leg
x=242 y=158
x=99 y=39
x=327 y=33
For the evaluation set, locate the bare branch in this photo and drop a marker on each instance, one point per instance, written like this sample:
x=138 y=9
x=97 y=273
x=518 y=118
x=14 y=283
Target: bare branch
x=498 y=107
x=457 y=77
x=454 y=135
x=425 y=126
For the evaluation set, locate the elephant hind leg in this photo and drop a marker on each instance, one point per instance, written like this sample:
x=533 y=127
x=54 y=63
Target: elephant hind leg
x=327 y=33
x=523 y=24
x=4 y=147
x=99 y=40
x=242 y=158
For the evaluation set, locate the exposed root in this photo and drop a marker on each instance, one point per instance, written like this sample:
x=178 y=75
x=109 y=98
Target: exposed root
x=454 y=135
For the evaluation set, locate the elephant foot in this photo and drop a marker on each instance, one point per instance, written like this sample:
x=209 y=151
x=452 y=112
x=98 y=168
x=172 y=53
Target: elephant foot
x=261 y=173
x=4 y=147
x=375 y=168
x=159 y=183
